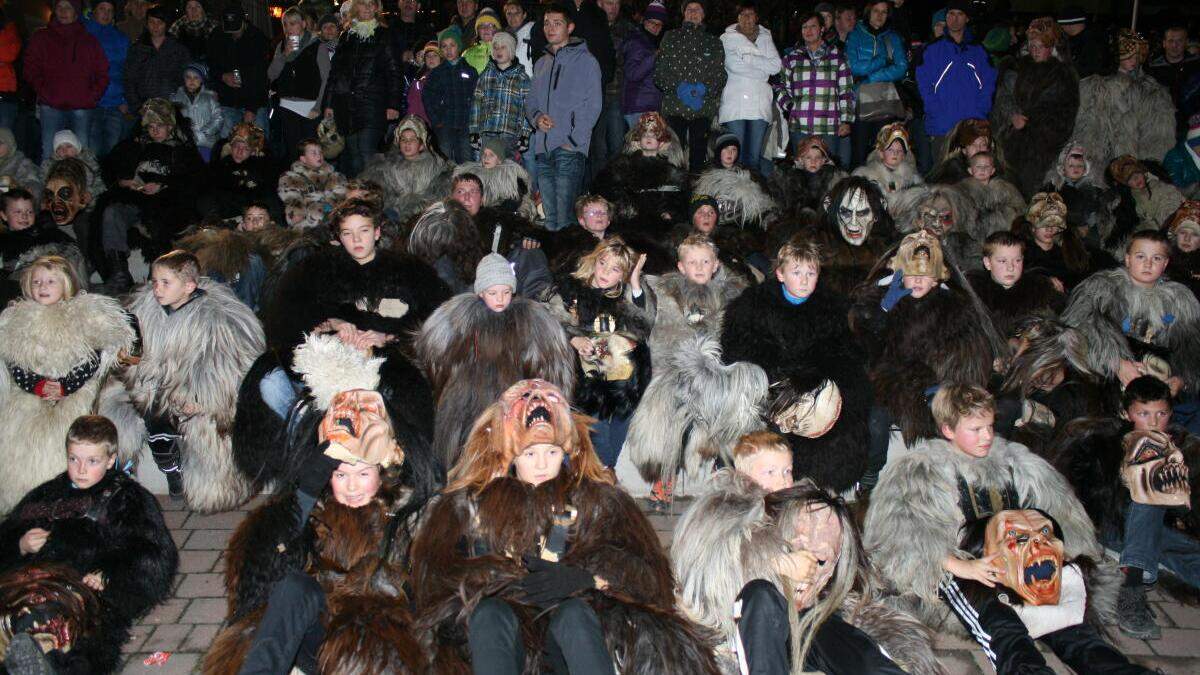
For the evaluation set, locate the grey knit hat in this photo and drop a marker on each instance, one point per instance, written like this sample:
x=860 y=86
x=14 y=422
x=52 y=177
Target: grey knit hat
x=494 y=270
x=508 y=39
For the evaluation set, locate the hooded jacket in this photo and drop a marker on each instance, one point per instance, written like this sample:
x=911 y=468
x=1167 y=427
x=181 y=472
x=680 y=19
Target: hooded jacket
x=638 y=92
x=66 y=66
x=746 y=95
x=956 y=81
x=566 y=86
x=116 y=48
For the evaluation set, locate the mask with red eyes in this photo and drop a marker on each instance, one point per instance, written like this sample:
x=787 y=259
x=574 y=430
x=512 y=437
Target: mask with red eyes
x=1154 y=471
x=1031 y=555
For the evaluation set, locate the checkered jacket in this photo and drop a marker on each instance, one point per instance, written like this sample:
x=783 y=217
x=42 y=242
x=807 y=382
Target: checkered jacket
x=499 y=103
x=816 y=91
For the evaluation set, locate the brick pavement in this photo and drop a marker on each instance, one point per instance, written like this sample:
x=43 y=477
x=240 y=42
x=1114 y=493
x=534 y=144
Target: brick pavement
x=185 y=624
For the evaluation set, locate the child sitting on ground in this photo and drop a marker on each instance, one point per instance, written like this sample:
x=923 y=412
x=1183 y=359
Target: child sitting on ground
x=997 y=201
x=311 y=188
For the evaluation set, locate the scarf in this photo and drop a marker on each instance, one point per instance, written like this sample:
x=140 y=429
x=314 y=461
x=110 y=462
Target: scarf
x=364 y=29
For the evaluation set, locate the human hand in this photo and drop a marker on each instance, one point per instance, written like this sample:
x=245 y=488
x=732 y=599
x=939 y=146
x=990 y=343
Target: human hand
x=982 y=570
x=1128 y=371
x=33 y=541
x=231 y=81
x=392 y=114
x=549 y=583
x=52 y=390
x=1058 y=285
x=583 y=345
x=530 y=243
x=797 y=566
x=1019 y=121
x=94 y=580
x=314 y=113
x=635 y=276
x=544 y=122
x=372 y=338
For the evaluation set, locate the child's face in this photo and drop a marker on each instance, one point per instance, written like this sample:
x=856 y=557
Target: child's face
x=502 y=54
x=698 y=264
x=358 y=234
x=1005 y=264
x=538 y=463
x=799 y=278
x=595 y=218
x=488 y=159
x=254 y=219
x=47 y=286
x=1187 y=238
x=771 y=470
x=705 y=219
x=312 y=157
x=169 y=288
x=982 y=170
x=1146 y=261
x=410 y=144
x=449 y=49
x=65 y=150
x=433 y=59
x=1149 y=416
x=649 y=143
x=355 y=485
x=919 y=285
x=191 y=82
x=729 y=155
x=469 y=195
x=812 y=160
x=19 y=214
x=87 y=463
x=498 y=297
x=486 y=32
x=1137 y=181
x=973 y=434
x=1074 y=168
x=608 y=273
x=893 y=154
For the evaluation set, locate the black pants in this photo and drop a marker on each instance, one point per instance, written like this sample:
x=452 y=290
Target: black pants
x=293 y=129
x=163 y=438
x=693 y=134
x=290 y=632
x=495 y=641
x=836 y=648
x=862 y=140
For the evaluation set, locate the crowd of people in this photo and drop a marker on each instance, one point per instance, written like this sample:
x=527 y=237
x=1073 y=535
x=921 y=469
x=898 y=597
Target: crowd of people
x=834 y=287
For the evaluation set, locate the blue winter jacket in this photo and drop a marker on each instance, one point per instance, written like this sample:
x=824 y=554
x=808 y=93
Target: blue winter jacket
x=956 y=82
x=116 y=47
x=1180 y=165
x=867 y=54
x=566 y=86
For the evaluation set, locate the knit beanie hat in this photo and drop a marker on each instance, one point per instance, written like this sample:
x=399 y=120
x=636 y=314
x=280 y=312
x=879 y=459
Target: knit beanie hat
x=724 y=141
x=452 y=33
x=160 y=12
x=938 y=17
x=487 y=16
x=997 y=40
x=655 y=10
x=494 y=270
x=199 y=69
x=699 y=201
x=503 y=38
x=496 y=144
x=77 y=4
x=66 y=137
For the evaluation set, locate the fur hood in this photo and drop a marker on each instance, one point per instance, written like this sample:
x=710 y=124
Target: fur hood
x=409 y=185
x=997 y=204
x=506 y=182
x=744 y=201
x=1093 y=172
x=53 y=339
x=901 y=187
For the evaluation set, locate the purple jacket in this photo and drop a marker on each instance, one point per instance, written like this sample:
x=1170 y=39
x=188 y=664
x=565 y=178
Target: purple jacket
x=639 y=93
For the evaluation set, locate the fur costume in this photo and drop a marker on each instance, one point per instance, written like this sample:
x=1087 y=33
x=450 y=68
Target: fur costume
x=726 y=540
x=193 y=360
x=308 y=194
x=1032 y=295
x=800 y=347
x=695 y=408
x=948 y=213
x=470 y=544
x=18 y=248
x=997 y=204
x=917 y=510
x=742 y=195
x=643 y=189
x=75 y=342
x=1047 y=94
x=505 y=186
x=16 y=170
x=1089 y=203
x=445 y=237
x=471 y=354
x=85 y=638
x=1125 y=114
x=1122 y=320
x=800 y=193
x=1153 y=204
x=409 y=185
x=901 y=187
x=114 y=527
x=565 y=247
x=227 y=251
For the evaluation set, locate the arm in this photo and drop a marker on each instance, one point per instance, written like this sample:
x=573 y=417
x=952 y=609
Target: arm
x=324 y=65
x=589 y=112
x=478 y=112
x=139 y=558
x=845 y=85
x=277 y=62
x=861 y=66
x=717 y=74
x=639 y=61
x=894 y=70
x=34 y=67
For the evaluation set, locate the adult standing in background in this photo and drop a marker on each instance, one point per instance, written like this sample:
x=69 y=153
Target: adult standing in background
x=747 y=103
x=465 y=19
x=109 y=123
x=298 y=73
x=10 y=51
x=238 y=55
x=521 y=27
x=639 y=52
x=955 y=77
x=876 y=54
x=690 y=71
x=1174 y=69
x=154 y=67
x=608 y=138
x=1088 y=46
x=134 y=22
x=591 y=26
x=410 y=31
x=817 y=91
x=193 y=29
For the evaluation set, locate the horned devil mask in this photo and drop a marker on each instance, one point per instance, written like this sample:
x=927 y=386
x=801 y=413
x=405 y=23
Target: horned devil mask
x=1154 y=471
x=854 y=217
x=1031 y=555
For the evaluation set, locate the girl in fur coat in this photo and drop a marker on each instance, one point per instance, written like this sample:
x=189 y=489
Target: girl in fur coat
x=411 y=175
x=647 y=183
x=311 y=188
x=968 y=137
x=1144 y=201
x=1184 y=231
x=58 y=346
x=893 y=170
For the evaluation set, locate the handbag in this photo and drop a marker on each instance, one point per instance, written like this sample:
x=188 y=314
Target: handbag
x=879 y=101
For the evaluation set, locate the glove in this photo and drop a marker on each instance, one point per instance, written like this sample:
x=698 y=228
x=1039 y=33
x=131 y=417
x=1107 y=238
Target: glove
x=475 y=142
x=315 y=474
x=894 y=292
x=549 y=583
x=523 y=143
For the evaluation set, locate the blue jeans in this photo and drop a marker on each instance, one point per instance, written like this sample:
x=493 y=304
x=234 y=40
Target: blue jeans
x=8 y=114
x=360 y=147
x=55 y=120
x=279 y=392
x=1148 y=541
x=109 y=127
x=560 y=173
x=608 y=137
x=750 y=134
x=608 y=435
x=455 y=144
x=247 y=285
x=839 y=146
x=232 y=116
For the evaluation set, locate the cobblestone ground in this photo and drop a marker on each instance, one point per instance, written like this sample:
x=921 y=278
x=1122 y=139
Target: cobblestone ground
x=185 y=624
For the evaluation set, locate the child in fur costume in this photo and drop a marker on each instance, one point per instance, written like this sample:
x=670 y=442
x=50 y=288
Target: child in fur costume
x=893 y=170
x=695 y=408
x=946 y=212
x=1145 y=201
x=744 y=196
x=801 y=185
x=198 y=341
x=1136 y=497
x=58 y=346
x=602 y=308
x=594 y=214
x=795 y=328
x=107 y=534
x=647 y=183
x=475 y=345
x=997 y=202
x=411 y=175
x=311 y=188
x=1184 y=231
x=1008 y=292
x=28 y=235
x=243 y=173
x=969 y=473
x=752 y=540
x=533 y=554
x=1054 y=249
x=740 y=248
x=968 y=137
x=505 y=182
x=1079 y=182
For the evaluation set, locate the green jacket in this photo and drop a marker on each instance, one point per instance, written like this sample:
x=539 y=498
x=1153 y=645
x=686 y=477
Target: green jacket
x=477 y=55
x=690 y=71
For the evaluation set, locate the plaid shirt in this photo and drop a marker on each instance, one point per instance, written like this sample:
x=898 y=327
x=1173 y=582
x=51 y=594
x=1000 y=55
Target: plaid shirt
x=499 y=103
x=816 y=91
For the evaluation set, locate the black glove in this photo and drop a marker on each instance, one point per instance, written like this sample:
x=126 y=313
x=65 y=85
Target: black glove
x=523 y=143
x=549 y=583
x=314 y=476
x=475 y=142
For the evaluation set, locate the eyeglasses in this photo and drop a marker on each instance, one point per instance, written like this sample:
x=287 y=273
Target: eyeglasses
x=596 y=212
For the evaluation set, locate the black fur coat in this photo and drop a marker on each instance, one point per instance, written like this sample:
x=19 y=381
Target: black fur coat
x=1047 y=93
x=801 y=192
x=1032 y=295
x=643 y=189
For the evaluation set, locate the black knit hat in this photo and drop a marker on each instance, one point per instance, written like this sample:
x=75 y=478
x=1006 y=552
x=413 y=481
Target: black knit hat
x=703 y=200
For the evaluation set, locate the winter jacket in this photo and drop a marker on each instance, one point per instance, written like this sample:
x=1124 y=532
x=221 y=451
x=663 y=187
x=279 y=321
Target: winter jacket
x=309 y=194
x=17 y=168
x=747 y=96
x=1182 y=166
x=66 y=66
x=867 y=53
x=302 y=74
x=415 y=98
x=817 y=90
x=248 y=54
x=638 y=91
x=956 y=81
x=478 y=55
x=364 y=81
x=499 y=101
x=448 y=94
x=567 y=87
x=153 y=72
x=116 y=49
x=524 y=51
x=591 y=26
x=194 y=35
x=204 y=111
x=10 y=49
x=690 y=72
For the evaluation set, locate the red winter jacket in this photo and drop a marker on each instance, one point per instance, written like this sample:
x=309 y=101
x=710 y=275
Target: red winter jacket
x=10 y=49
x=66 y=66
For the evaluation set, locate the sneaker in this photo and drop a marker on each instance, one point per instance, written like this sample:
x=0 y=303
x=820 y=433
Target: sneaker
x=175 y=485
x=25 y=656
x=1134 y=616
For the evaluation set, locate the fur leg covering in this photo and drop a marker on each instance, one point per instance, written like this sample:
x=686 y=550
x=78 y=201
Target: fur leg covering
x=655 y=641
x=370 y=634
x=211 y=479
x=906 y=640
x=116 y=405
x=228 y=650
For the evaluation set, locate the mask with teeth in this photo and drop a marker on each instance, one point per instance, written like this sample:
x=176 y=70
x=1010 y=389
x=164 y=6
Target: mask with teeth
x=1031 y=554
x=854 y=217
x=1154 y=471
x=936 y=217
x=535 y=412
x=64 y=198
x=50 y=603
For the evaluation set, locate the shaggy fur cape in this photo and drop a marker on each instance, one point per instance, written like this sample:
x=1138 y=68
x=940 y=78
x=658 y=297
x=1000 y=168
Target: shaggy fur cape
x=1122 y=114
x=192 y=363
x=565 y=247
x=1100 y=305
x=800 y=193
x=643 y=188
x=125 y=538
x=49 y=341
x=725 y=540
x=997 y=204
x=409 y=185
x=471 y=354
x=901 y=187
x=801 y=346
x=1032 y=295
x=742 y=195
x=1047 y=93
x=963 y=241
x=306 y=193
x=505 y=186
x=611 y=538
x=914 y=518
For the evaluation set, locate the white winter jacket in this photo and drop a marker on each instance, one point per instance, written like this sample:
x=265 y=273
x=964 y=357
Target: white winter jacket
x=747 y=96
